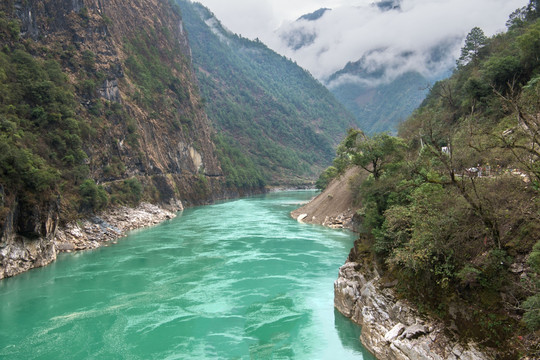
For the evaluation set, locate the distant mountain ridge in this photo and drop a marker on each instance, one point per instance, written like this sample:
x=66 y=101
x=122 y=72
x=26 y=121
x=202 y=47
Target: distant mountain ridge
x=379 y=95
x=281 y=122
x=314 y=15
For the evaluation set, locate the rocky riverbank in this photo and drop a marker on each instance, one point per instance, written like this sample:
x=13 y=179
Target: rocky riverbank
x=22 y=254
x=392 y=329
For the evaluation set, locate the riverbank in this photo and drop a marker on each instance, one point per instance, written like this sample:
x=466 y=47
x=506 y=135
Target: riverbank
x=392 y=328
x=98 y=230
x=20 y=254
x=333 y=207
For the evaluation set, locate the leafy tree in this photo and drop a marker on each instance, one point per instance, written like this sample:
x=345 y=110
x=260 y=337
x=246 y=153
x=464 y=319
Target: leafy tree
x=517 y=18
x=475 y=40
x=94 y=197
x=502 y=71
x=327 y=175
x=373 y=154
x=533 y=10
x=529 y=45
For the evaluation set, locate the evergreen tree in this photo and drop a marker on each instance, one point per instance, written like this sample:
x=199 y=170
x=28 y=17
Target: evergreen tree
x=475 y=40
x=533 y=9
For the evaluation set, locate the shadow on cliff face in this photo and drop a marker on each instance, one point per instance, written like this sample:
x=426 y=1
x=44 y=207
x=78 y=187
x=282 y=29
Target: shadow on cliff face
x=349 y=335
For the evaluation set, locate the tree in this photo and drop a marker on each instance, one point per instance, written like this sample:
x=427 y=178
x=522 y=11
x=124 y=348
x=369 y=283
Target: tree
x=373 y=154
x=94 y=197
x=523 y=138
x=517 y=18
x=532 y=304
x=475 y=40
x=533 y=9
x=324 y=179
x=529 y=44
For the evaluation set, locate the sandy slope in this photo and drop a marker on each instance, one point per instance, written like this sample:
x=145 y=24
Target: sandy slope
x=334 y=206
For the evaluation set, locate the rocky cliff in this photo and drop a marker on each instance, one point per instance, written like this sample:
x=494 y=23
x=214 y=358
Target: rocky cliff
x=134 y=113
x=106 y=31
x=393 y=329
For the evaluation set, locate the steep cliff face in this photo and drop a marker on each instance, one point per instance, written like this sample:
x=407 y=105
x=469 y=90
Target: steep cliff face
x=106 y=30
x=136 y=111
x=391 y=327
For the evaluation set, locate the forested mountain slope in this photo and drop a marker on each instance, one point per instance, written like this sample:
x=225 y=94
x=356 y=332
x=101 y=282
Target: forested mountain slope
x=379 y=106
x=452 y=208
x=276 y=123
x=98 y=106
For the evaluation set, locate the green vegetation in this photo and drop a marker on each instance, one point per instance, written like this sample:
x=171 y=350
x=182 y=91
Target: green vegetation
x=276 y=122
x=380 y=107
x=239 y=169
x=93 y=196
x=474 y=42
x=155 y=70
x=452 y=206
x=46 y=132
x=41 y=135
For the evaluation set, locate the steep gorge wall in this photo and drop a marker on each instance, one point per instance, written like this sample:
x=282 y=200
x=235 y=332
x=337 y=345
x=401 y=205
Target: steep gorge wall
x=104 y=28
x=129 y=63
x=392 y=328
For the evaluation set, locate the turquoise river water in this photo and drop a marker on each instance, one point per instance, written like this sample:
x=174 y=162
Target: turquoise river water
x=235 y=280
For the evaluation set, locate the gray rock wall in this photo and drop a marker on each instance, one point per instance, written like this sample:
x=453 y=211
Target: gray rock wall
x=26 y=238
x=392 y=329
x=21 y=253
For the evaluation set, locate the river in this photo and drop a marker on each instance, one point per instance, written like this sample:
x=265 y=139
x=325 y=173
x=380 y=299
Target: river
x=235 y=280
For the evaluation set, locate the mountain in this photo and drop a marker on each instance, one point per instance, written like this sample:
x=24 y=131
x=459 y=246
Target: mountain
x=275 y=122
x=379 y=97
x=316 y=15
x=379 y=106
x=450 y=209
x=384 y=84
x=303 y=36
x=98 y=105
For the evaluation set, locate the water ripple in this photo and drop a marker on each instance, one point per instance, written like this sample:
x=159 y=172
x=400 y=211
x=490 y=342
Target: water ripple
x=236 y=280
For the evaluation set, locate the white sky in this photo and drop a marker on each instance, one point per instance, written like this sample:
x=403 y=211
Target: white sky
x=259 y=18
x=354 y=27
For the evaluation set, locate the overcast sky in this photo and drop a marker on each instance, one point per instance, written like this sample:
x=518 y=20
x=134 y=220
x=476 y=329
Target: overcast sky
x=355 y=27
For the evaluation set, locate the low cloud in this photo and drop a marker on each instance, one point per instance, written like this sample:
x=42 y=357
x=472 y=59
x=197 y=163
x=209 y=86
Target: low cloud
x=356 y=29
x=424 y=36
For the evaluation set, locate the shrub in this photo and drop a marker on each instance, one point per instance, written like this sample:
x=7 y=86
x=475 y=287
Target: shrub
x=93 y=197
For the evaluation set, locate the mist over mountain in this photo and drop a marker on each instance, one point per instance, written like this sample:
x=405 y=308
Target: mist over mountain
x=380 y=95
x=380 y=59
x=382 y=31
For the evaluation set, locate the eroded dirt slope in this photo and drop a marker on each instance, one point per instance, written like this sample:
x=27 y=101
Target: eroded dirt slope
x=333 y=207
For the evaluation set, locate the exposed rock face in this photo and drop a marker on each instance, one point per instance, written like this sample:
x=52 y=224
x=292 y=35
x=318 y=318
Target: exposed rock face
x=177 y=160
x=27 y=241
x=104 y=29
x=392 y=328
x=19 y=253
